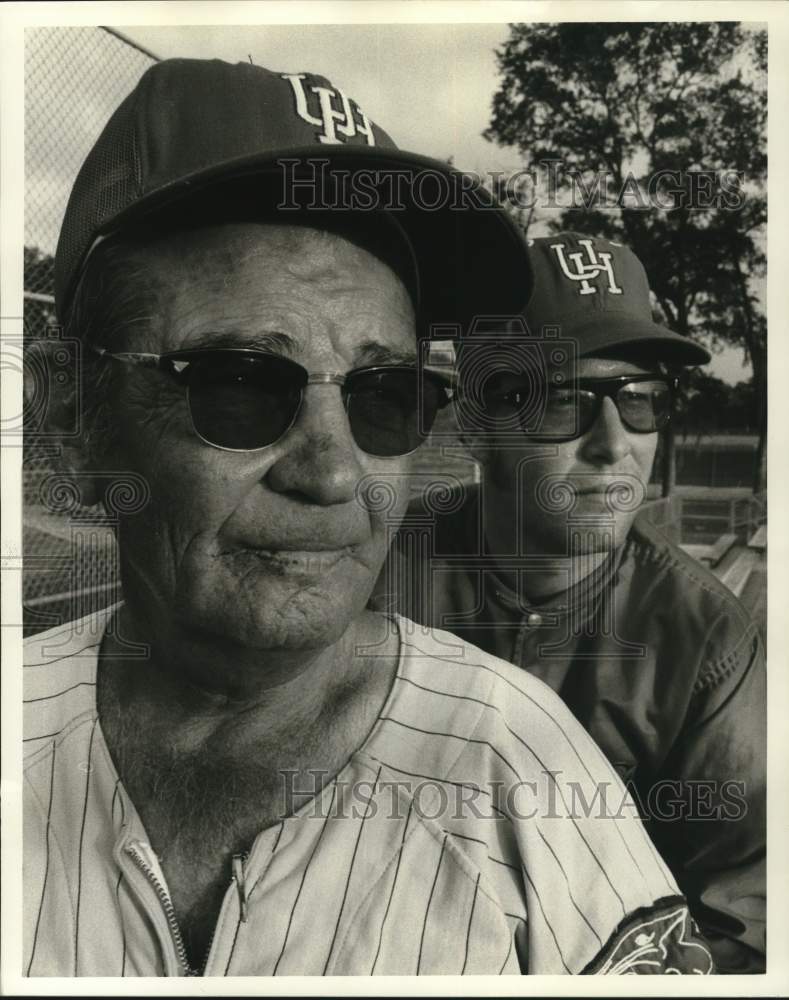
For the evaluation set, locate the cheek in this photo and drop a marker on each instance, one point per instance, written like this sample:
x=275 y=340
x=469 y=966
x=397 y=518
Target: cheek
x=194 y=478
x=384 y=492
x=194 y=491
x=508 y=467
x=644 y=450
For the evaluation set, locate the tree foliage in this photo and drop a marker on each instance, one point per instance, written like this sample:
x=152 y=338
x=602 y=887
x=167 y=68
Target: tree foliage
x=39 y=277
x=661 y=127
x=708 y=405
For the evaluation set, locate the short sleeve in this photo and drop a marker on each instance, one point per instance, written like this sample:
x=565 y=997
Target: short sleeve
x=599 y=897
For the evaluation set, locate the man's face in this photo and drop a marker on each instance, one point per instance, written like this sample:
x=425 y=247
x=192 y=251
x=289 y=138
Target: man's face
x=272 y=548
x=596 y=479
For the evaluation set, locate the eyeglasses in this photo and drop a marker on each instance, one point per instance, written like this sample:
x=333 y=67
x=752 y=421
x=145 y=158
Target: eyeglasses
x=242 y=400
x=569 y=411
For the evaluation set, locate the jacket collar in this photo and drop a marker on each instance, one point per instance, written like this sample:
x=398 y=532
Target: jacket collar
x=581 y=596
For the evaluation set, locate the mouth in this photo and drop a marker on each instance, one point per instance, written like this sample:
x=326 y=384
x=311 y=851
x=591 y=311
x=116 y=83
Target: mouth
x=601 y=488
x=592 y=492
x=301 y=562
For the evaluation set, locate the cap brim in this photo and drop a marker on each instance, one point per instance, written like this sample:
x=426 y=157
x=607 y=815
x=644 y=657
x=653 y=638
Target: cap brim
x=609 y=332
x=472 y=257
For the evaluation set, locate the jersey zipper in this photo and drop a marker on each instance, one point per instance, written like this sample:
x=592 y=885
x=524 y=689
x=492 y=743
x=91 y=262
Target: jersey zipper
x=167 y=906
x=237 y=868
x=238 y=863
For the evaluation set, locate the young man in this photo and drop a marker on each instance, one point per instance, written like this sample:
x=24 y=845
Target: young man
x=547 y=564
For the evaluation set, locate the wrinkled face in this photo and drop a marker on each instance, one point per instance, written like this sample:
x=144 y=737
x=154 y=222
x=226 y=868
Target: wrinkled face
x=275 y=548
x=598 y=479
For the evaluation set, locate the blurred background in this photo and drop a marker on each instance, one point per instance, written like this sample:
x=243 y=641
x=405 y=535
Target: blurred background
x=613 y=104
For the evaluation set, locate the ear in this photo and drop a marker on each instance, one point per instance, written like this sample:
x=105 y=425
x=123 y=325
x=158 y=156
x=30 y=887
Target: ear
x=74 y=464
x=55 y=415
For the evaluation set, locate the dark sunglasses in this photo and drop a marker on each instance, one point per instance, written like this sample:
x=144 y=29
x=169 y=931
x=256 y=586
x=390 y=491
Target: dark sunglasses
x=242 y=400
x=569 y=411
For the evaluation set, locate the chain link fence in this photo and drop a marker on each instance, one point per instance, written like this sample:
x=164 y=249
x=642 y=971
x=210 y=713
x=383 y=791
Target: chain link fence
x=74 y=79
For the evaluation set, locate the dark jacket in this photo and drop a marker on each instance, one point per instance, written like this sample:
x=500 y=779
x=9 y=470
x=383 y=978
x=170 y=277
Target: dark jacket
x=663 y=667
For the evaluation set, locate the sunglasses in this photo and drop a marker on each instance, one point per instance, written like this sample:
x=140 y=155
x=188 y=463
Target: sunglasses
x=243 y=400
x=569 y=411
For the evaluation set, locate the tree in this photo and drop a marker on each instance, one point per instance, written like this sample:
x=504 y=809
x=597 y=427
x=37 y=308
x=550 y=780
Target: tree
x=39 y=277
x=655 y=134
x=708 y=405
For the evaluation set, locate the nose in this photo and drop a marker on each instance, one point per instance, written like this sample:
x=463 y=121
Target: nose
x=608 y=440
x=320 y=463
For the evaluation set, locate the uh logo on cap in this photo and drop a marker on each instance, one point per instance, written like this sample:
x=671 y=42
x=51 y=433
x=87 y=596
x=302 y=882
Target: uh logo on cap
x=596 y=263
x=336 y=125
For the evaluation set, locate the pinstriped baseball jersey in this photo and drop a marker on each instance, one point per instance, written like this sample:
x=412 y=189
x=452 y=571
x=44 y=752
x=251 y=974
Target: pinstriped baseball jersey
x=476 y=830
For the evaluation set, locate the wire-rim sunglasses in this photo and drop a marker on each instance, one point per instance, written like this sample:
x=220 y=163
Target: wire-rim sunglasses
x=243 y=399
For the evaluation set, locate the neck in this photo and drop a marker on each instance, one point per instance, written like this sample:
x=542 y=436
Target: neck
x=555 y=574
x=199 y=684
x=208 y=767
x=543 y=572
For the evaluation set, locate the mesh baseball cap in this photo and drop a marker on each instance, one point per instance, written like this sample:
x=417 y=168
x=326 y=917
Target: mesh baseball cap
x=597 y=292
x=206 y=139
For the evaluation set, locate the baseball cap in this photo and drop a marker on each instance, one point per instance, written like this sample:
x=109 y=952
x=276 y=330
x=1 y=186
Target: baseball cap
x=209 y=139
x=596 y=292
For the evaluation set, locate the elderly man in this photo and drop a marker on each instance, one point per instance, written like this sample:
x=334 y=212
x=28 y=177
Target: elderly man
x=284 y=783
x=547 y=565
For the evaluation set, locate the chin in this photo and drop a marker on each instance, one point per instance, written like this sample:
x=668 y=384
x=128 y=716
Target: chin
x=304 y=625
x=588 y=537
x=593 y=545
x=278 y=613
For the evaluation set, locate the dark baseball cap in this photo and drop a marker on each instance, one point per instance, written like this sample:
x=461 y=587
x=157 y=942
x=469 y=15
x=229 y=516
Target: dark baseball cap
x=206 y=139
x=596 y=292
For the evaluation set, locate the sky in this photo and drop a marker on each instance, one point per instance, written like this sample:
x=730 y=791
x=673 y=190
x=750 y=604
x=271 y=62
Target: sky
x=430 y=86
